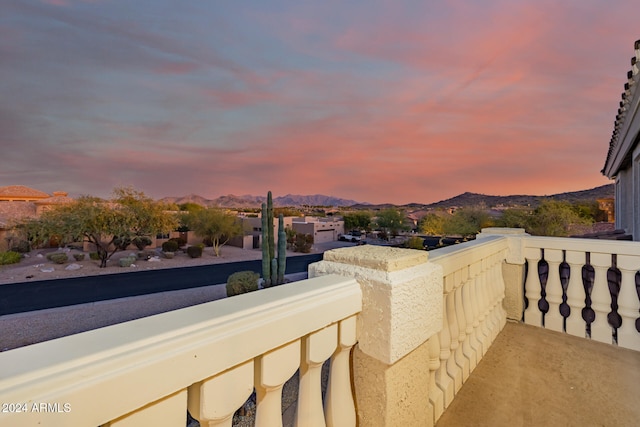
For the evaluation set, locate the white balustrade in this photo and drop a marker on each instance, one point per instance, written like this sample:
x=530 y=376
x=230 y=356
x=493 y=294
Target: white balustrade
x=553 y=319
x=601 y=299
x=575 y=294
x=629 y=305
x=532 y=287
x=600 y=254
x=206 y=358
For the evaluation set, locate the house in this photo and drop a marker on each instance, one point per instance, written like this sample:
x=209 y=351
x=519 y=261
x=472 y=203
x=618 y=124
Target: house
x=623 y=159
x=322 y=229
x=17 y=203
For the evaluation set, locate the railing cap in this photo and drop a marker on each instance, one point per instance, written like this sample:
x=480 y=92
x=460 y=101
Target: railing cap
x=377 y=257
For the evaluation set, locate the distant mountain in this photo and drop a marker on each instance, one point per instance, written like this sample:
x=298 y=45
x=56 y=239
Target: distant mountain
x=249 y=201
x=475 y=199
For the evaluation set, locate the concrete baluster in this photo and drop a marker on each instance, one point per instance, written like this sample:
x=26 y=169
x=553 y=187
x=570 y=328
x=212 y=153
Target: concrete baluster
x=532 y=287
x=443 y=380
x=213 y=401
x=601 y=299
x=339 y=406
x=474 y=319
x=272 y=370
x=553 y=319
x=575 y=294
x=463 y=338
x=454 y=371
x=485 y=334
x=316 y=348
x=628 y=304
x=436 y=397
x=500 y=288
x=167 y=411
x=467 y=345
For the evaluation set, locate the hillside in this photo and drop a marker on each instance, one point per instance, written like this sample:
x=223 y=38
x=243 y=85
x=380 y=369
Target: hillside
x=462 y=200
x=475 y=199
x=249 y=201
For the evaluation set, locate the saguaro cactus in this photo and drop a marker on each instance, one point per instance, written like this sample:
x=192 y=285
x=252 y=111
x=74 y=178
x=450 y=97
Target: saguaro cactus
x=273 y=264
x=266 y=257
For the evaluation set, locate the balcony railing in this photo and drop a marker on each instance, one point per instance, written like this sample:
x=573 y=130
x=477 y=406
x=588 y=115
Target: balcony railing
x=207 y=358
x=403 y=329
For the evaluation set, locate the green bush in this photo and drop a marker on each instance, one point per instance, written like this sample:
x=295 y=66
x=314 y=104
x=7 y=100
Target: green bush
x=181 y=241
x=126 y=261
x=78 y=257
x=195 y=251
x=94 y=256
x=170 y=246
x=22 y=247
x=414 y=242
x=242 y=282
x=141 y=242
x=10 y=257
x=58 y=257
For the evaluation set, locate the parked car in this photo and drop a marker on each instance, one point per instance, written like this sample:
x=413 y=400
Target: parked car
x=353 y=236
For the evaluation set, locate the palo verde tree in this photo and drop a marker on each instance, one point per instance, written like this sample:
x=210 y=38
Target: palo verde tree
x=110 y=225
x=358 y=220
x=214 y=224
x=391 y=221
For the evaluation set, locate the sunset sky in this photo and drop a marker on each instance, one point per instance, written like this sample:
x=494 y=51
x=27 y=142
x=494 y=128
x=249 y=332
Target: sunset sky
x=376 y=101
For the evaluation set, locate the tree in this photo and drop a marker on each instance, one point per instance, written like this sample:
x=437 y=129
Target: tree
x=360 y=220
x=554 y=218
x=432 y=224
x=391 y=221
x=214 y=224
x=467 y=222
x=109 y=225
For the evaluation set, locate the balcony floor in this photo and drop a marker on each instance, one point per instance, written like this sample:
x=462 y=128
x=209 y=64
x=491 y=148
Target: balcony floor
x=535 y=377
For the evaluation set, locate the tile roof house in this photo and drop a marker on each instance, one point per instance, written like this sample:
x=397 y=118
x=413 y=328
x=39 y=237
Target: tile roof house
x=18 y=202
x=623 y=158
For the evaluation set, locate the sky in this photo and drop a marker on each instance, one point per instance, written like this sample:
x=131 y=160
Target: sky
x=375 y=101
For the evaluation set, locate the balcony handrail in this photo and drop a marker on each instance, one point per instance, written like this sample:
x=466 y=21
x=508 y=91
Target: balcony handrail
x=454 y=257
x=99 y=374
x=619 y=247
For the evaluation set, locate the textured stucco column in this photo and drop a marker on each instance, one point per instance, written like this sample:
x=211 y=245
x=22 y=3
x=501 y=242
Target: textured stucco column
x=402 y=309
x=512 y=269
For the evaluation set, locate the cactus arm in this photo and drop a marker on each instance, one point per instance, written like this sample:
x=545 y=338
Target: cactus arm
x=282 y=249
x=266 y=259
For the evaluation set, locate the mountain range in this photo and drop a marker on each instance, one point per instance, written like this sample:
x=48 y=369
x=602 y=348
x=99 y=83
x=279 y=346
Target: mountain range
x=462 y=200
x=249 y=201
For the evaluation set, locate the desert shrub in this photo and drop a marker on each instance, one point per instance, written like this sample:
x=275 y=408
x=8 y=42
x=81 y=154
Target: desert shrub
x=10 y=257
x=168 y=255
x=141 y=242
x=126 y=261
x=414 y=242
x=181 y=241
x=94 y=256
x=58 y=257
x=195 y=251
x=22 y=247
x=242 y=282
x=78 y=257
x=170 y=246
x=207 y=242
x=303 y=243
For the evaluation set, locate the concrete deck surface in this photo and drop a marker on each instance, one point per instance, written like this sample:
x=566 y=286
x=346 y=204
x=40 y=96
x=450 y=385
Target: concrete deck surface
x=535 y=377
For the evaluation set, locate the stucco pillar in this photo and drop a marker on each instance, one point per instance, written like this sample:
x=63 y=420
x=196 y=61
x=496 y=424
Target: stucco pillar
x=512 y=269
x=402 y=309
